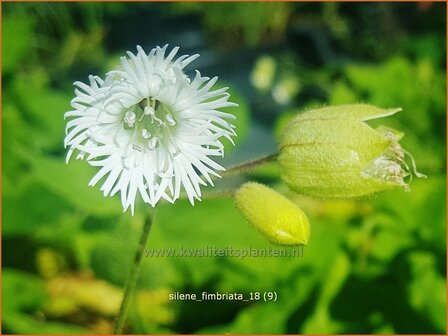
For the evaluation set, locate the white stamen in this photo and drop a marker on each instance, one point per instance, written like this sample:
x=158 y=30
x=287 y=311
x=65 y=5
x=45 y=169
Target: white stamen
x=146 y=134
x=414 y=166
x=154 y=117
x=130 y=118
x=137 y=147
x=152 y=144
x=170 y=120
x=149 y=111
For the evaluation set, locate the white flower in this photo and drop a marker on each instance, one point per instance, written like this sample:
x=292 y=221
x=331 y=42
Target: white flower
x=150 y=128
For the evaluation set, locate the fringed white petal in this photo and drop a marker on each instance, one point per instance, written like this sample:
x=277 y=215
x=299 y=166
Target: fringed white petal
x=149 y=129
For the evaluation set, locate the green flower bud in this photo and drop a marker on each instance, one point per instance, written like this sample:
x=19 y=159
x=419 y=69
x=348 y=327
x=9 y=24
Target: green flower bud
x=276 y=217
x=333 y=152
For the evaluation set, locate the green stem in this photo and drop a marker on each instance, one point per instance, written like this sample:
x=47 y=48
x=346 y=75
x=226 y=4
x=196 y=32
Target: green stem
x=241 y=168
x=218 y=194
x=131 y=281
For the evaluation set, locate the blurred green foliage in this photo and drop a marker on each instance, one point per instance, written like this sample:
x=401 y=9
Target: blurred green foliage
x=237 y=18
x=374 y=265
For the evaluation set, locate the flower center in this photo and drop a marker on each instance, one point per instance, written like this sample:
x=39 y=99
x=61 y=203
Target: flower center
x=151 y=121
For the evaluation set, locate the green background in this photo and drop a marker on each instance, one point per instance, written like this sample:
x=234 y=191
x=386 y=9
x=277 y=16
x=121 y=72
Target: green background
x=373 y=265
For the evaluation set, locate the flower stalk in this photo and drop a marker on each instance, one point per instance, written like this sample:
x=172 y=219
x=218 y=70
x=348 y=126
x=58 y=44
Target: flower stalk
x=248 y=166
x=131 y=281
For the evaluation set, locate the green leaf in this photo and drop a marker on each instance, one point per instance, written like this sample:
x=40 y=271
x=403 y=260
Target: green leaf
x=320 y=321
x=18 y=323
x=256 y=319
x=31 y=210
x=43 y=107
x=16 y=134
x=21 y=291
x=427 y=290
x=70 y=182
x=200 y=227
x=341 y=94
x=412 y=210
x=17 y=32
x=201 y=224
